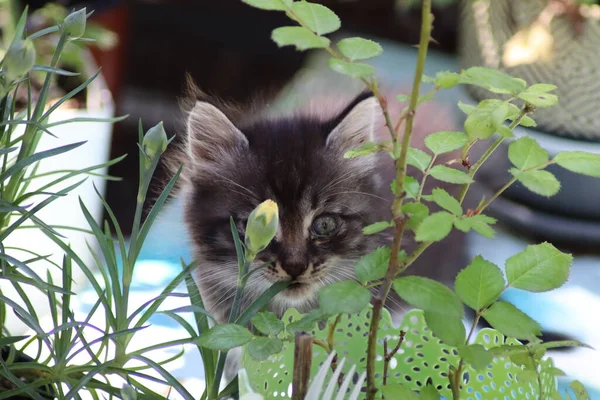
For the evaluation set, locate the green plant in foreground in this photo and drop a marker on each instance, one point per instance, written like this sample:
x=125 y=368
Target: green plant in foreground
x=480 y=285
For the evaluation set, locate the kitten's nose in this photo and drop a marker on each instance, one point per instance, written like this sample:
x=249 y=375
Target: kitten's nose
x=293 y=269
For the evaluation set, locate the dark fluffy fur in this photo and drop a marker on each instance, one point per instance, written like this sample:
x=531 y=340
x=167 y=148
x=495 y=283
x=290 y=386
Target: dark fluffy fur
x=231 y=164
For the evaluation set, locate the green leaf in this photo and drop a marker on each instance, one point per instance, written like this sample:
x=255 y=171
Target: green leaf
x=450 y=175
x=261 y=348
x=411 y=186
x=542 y=87
x=224 y=337
x=511 y=321
x=278 y=5
x=539 y=99
x=397 y=391
x=417 y=213
x=476 y=356
x=357 y=48
x=318 y=18
x=429 y=392
x=267 y=323
x=344 y=297
x=580 y=162
x=493 y=80
x=539 y=268
x=428 y=295
x=366 y=149
x=444 y=142
x=466 y=108
x=402 y=97
x=298 y=36
x=377 y=227
x=483 y=121
x=374 y=265
x=580 y=391
x=479 y=284
x=526 y=153
x=449 y=329
x=480 y=223
x=434 y=227
x=354 y=70
x=307 y=323
x=446 y=201
x=540 y=182
x=447 y=79
x=418 y=158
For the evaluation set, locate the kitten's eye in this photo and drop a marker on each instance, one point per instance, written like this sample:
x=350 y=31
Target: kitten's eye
x=325 y=225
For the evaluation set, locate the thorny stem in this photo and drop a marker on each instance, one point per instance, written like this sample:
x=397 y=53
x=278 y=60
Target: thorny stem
x=527 y=108
x=399 y=218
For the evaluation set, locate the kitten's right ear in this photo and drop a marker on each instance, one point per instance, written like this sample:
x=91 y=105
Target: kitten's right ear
x=210 y=133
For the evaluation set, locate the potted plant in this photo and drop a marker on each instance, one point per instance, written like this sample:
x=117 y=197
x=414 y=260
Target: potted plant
x=81 y=102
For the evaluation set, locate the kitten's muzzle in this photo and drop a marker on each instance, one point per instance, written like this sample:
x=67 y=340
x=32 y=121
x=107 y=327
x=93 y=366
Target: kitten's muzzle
x=294 y=269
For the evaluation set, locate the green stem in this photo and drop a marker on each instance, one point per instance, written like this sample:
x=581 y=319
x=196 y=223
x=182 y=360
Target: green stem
x=425 y=175
x=458 y=373
x=473 y=170
x=400 y=220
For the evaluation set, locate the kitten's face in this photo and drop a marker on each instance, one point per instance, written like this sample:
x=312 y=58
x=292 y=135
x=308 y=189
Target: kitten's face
x=324 y=201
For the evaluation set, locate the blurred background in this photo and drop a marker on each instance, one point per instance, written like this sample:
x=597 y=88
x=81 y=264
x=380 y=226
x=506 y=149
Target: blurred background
x=146 y=47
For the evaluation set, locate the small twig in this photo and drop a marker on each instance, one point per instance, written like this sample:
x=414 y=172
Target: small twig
x=388 y=356
x=302 y=365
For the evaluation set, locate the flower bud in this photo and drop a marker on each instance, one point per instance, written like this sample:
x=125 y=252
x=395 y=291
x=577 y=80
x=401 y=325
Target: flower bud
x=128 y=392
x=74 y=24
x=18 y=60
x=261 y=228
x=155 y=141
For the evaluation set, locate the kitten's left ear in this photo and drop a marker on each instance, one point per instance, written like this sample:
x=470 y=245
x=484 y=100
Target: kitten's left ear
x=357 y=124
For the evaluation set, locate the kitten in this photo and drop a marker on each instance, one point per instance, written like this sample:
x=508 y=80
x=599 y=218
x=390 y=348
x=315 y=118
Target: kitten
x=232 y=163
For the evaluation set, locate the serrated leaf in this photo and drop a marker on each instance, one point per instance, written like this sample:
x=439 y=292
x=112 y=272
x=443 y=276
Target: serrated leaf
x=539 y=99
x=540 y=182
x=267 y=323
x=479 y=284
x=225 y=337
x=526 y=153
x=480 y=223
x=435 y=227
x=317 y=17
x=344 y=297
x=466 y=108
x=261 y=348
x=493 y=80
x=397 y=391
x=374 y=265
x=498 y=116
x=446 y=201
x=528 y=122
x=476 y=356
x=418 y=158
x=275 y=5
x=445 y=142
x=449 y=329
x=428 y=295
x=505 y=131
x=354 y=70
x=482 y=121
x=522 y=359
x=542 y=87
x=307 y=323
x=366 y=149
x=298 y=36
x=411 y=186
x=377 y=227
x=429 y=392
x=357 y=48
x=450 y=175
x=447 y=79
x=580 y=162
x=417 y=213
x=511 y=321
x=539 y=268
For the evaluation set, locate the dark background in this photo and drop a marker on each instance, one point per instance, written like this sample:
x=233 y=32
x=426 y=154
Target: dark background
x=225 y=46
